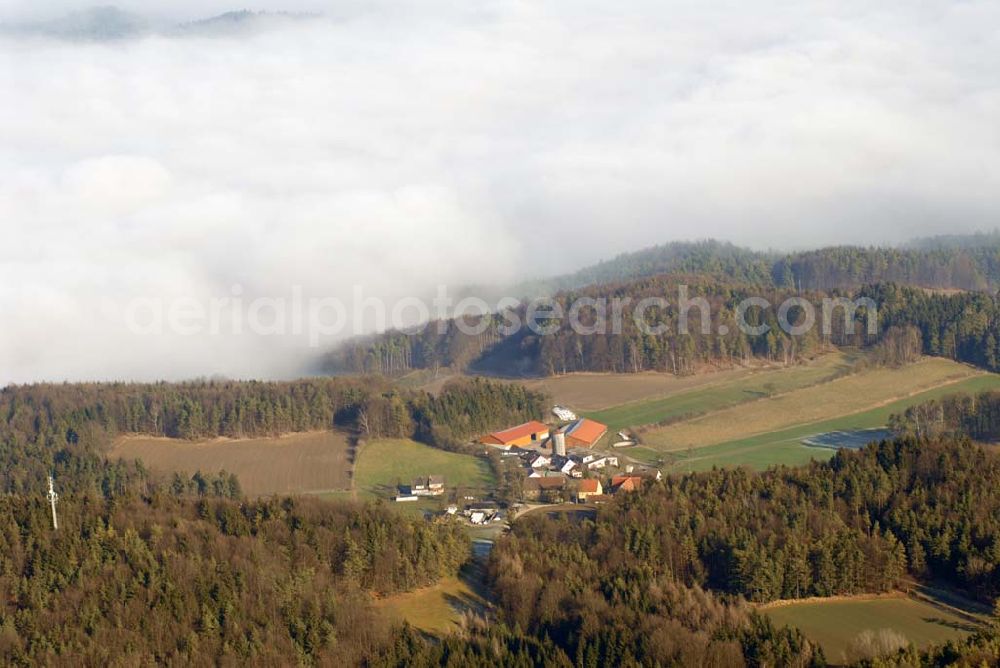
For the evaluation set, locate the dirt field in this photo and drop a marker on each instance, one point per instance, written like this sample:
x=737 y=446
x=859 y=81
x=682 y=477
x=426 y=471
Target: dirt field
x=290 y=464
x=588 y=392
x=847 y=395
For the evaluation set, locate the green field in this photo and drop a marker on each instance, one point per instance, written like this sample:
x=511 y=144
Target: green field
x=384 y=463
x=437 y=609
x=715 y=396
x=845 y=396
x=835 y=624
x=785 y=446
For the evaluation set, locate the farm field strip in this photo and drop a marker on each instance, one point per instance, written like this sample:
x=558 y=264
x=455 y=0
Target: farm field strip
x=600 y=391
x=785 y=446
x=725 y=392
x=290 y=464
x=844 y=396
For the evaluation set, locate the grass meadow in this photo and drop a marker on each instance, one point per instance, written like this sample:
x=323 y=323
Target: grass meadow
x=384 y=463
x=836 y=623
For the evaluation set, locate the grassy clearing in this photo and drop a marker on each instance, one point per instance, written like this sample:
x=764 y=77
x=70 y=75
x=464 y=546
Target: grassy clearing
x=385 y=463
x=834 y=624
x=852 y=394
x=437 y=609
x=726 y=389
x=290 y=464
x=784 y=446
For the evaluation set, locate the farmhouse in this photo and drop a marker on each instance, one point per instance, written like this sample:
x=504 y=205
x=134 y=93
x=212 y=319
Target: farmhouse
x=626 y=483
x=540 y=462
x=435 y=484
x=584 y=433
x=601 y=462
x=429 y=486
x=523 y=434
x=536 y=487
x=588 y=488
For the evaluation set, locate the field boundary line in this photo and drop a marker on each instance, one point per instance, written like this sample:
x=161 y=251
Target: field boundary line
x=750 y=373
x=844 y=598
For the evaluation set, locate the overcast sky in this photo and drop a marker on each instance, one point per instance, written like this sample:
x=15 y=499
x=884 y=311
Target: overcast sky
x=398 y=145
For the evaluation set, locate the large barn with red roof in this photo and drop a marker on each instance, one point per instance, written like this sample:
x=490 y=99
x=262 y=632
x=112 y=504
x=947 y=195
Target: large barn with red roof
x=522 y=434
x=584 y=433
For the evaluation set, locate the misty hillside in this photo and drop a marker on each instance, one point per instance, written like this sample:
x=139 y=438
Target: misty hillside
x=959 y=262
x=979 y=240
x=239 y=22
x=94 y=24
x=110 y=23
x=938 y=295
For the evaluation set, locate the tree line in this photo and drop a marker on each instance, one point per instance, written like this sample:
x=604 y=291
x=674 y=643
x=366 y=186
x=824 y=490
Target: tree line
x=960 y=262
x=974 y=415
x=962 y=326
x=67 y=429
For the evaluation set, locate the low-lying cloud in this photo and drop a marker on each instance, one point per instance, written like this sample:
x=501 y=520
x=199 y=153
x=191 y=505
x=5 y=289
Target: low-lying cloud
x=398 y=148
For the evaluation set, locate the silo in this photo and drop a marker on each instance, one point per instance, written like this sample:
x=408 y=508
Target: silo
x=559 y=443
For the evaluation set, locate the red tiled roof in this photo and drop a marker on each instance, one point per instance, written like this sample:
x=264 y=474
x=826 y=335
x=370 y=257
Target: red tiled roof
x=626 y=483
x=586 y=430
x=520 y=431
x=589 y=486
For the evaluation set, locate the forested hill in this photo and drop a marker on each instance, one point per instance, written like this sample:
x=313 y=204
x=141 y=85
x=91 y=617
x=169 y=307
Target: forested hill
x=964 y=326
x=958 y=262
x=718 y=259
x=156 y=580
x=640 y=583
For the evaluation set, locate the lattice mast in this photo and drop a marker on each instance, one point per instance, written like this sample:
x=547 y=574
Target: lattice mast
x=53 y=498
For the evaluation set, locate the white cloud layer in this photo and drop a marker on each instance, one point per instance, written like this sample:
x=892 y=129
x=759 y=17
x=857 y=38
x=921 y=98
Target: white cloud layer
x=399 y=145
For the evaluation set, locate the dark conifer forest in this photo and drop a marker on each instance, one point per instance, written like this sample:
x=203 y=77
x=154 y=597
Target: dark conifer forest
x=963 y=326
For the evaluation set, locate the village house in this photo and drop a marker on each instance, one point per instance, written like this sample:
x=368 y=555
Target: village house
x=429 y=486
x=540 y=462
x=626 y=483
x=601 y=462
x=549 y=487
x=435 y=484
x=588 y=488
